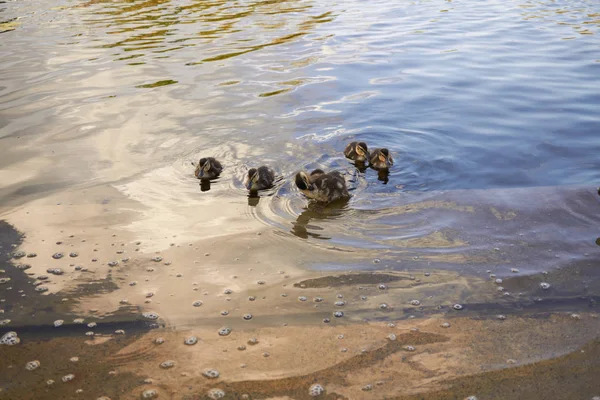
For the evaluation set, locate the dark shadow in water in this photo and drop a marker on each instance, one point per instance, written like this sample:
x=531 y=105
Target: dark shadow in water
x=383 y=175
x=253 y=199
x=317 y=211
x=361 y=166
x=204 y=185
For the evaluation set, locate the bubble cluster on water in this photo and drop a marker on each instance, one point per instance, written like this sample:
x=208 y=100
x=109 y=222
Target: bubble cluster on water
x=211 y=373
x=157 y=259
x=150 y=315
x=57 y=256
x=4 y=322
x=457 y=307
x=119 y=332
x=383 y=306
x=338 y=314
x=252 y=341
x=545 y=285
x=318 y=299
x=68 y=378
x=224 y=331
x=149 y=394
x=247 y=317
x=302 y=298
x=367 y=388
x=41 y=289
x=23 y=267
x=415 y=302
x=10 y=339
x=445 y=325
x=501 y=317
x=32 y=365
x=316 y=390
x=409 y=348
x=216 y=394
x=190 y=341
x=159 y=340
x=382 y=286
x=167 y=364
x=54 y=271
x=392 y=337
x=18 y=254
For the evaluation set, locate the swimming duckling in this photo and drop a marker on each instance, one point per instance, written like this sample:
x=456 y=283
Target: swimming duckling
x=357 y=151
x=322 y=187
x=208 y=168
x=259 y=179
x=381 y=159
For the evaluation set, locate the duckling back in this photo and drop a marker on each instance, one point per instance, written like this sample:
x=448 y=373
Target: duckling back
x=329 y=187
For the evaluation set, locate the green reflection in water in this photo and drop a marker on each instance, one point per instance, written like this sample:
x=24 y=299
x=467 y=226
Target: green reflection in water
x=157 y=84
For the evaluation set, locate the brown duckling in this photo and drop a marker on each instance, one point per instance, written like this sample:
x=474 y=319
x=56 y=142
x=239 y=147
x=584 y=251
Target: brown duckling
x=357 y=151
x=381 y=159
x=322 y=187
x=259 y=178
x=208 y=168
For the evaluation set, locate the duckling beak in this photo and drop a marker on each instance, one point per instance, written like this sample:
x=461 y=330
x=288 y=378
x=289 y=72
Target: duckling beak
x=382 y=158
x=252 y=181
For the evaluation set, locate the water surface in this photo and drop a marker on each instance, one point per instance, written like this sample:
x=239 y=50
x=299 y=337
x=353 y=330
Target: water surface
x=490 y=110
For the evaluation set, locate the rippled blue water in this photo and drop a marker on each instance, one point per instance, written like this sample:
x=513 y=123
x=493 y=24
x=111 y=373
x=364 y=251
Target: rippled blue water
x=468 y=94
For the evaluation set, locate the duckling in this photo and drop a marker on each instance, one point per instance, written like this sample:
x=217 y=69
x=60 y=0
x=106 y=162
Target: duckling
x=208 y=168
x=381 y=159
x=322 y=187
x=259 y=179
x=357 y=151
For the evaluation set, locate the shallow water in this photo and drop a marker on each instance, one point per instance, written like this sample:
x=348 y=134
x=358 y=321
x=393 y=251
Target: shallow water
x=490 y=110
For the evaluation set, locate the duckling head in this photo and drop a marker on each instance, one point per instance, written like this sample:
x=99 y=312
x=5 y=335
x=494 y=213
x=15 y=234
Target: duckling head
x=303 y=181
x=252 y=179
x=203 y=167
x=362 y=151
x=385 y=158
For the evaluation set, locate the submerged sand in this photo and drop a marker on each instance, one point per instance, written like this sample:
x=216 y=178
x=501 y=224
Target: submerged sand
x=385 y=345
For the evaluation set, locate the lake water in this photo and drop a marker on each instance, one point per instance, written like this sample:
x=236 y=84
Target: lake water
x=490 y=109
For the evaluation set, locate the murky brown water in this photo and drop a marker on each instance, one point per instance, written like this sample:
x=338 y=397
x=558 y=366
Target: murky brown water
x=471 y=272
